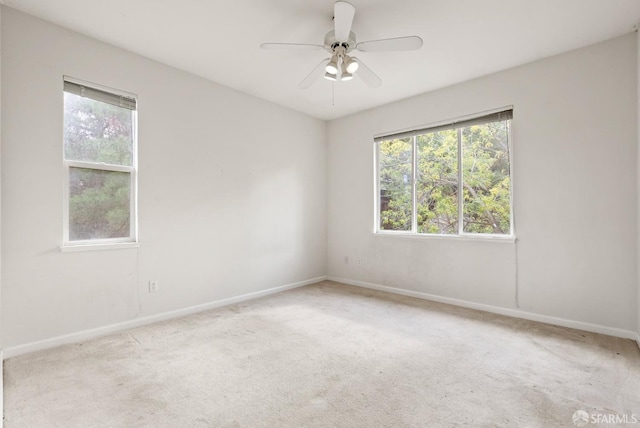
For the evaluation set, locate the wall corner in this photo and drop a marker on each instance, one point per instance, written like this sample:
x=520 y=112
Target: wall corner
x=637 y=27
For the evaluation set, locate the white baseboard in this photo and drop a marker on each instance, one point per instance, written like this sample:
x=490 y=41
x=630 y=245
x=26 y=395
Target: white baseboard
x=26 y=348
x=515 y=313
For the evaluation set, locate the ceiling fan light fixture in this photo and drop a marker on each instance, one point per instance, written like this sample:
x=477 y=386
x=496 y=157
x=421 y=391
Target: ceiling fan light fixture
x=331 y=76
x=345 y=75
x=351 y=64
x=332 y=66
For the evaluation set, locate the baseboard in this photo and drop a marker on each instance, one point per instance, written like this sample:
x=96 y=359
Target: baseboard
x=14 y=351
x=515 y=313
x=638 y=337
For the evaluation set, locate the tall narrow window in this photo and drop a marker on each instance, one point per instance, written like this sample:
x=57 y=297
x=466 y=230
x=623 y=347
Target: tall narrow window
x=453 y=179
x=99 y=164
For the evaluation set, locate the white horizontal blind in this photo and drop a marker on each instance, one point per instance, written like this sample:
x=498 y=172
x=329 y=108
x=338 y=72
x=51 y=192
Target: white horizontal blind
x=488 y=118
x=99 y=95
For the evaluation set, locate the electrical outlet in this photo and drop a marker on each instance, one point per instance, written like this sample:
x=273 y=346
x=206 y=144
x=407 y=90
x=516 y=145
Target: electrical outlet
x=359 y=262
x=346 y=260
x=153 y=286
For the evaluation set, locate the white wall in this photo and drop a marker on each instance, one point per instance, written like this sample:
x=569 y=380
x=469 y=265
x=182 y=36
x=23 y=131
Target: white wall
x=231 y=190
x=575 y=184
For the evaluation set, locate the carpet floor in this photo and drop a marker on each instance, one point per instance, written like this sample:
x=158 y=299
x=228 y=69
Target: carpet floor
x=329 y=355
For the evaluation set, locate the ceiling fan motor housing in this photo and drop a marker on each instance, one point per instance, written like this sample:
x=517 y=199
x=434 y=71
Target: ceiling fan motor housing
x=331 y=43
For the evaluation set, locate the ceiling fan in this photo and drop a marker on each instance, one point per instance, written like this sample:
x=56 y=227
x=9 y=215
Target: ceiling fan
x=340 y=42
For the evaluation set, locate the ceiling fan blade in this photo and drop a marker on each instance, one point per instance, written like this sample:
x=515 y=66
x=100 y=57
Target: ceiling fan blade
x=408 y=43
x=313 y=76
x=343 y=13
x=294 y=46
x=367 y=76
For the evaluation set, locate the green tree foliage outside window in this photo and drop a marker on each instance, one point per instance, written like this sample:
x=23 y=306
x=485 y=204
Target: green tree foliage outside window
x=99 y=204
x=480 y=150
x=486 y=178
x=100 y=134
x=395 y=184
x=437 y=182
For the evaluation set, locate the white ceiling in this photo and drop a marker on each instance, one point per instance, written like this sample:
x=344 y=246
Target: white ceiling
x=219 y=40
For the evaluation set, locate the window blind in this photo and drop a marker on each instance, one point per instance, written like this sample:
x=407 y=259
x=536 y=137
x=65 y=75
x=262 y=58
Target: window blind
x=488 y=118
x=100 y=95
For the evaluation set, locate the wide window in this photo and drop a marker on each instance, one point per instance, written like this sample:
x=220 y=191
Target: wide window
x=99 y=165
x=452 y=179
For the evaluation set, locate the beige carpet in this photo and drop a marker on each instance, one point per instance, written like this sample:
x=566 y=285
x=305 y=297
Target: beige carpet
x=328 y=355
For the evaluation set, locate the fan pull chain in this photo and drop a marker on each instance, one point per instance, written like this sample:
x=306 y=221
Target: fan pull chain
x=333 y=94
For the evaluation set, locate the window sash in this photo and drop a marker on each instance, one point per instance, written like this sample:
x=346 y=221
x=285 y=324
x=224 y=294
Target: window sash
x=505 y=115
x=132 y=202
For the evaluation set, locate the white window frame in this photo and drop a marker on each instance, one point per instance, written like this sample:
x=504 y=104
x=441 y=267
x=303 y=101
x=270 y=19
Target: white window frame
x=461 y=234
x=130 y=241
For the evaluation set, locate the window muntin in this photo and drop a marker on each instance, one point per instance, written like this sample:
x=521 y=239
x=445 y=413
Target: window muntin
x=100 y=165
x=461 y=179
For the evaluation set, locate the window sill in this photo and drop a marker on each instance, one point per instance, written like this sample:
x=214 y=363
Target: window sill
x=98 y=247
x=461 y=238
